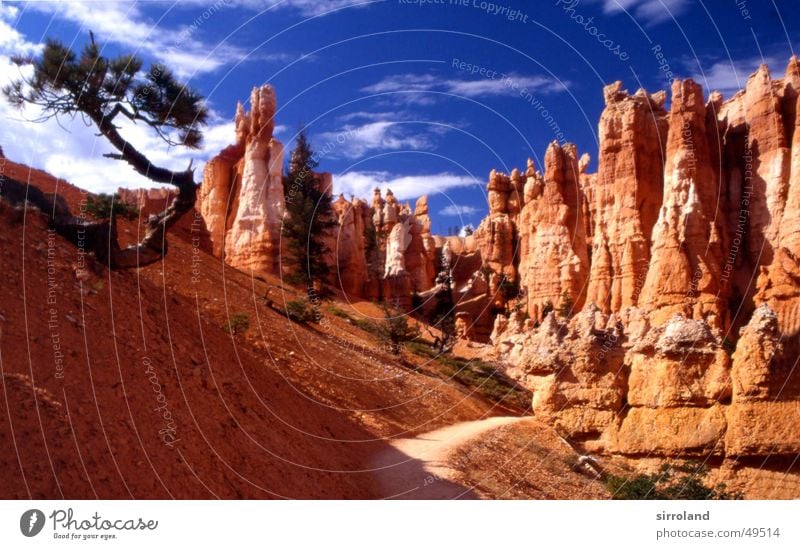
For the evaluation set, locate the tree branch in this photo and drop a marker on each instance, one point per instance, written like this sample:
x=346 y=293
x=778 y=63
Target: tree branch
x=137 y=160
x=65 y=84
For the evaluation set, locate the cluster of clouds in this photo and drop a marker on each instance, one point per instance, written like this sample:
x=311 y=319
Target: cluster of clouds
x=649 y=12
x=72 y=150
x=404 y=187
x=728 y=75
x=429 y=86
x=69 y=148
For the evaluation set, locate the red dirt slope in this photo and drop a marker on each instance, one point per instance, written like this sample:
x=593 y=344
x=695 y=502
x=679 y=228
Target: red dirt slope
x=125 y=385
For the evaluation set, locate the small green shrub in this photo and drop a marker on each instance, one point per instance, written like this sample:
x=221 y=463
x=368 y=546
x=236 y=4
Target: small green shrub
x=675 y=482
x=396 y=330
x=301 y=311
x=237 y=324
x=422 y=348
x=336 y=311
x=364 y=324
x=100 y=207
x=486 y=378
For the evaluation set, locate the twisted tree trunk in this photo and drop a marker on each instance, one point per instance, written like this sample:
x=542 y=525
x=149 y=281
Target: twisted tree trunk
x=153 y=247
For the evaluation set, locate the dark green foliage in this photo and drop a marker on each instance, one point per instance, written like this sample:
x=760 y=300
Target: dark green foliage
x=100 y=207
x=237 y=324
x=372 y=253
x=66 y=83
x=370 y=240
x=362 y=323
x=676 y=482
x=486 y=378
x=99 y=89
x=395 y=329
x=336 y=311
x=422 y=348
x=309 y=217
x=301 y=311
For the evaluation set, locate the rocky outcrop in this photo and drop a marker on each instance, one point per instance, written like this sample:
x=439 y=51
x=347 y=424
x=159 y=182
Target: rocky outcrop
x=652 y=307
x=253 y=239
x=574 y=369
x=348 y=245
x=779 y=284
x=685 y=339
x=242 y=196
x=687 y=249
x=678 y=374
x=496 y=236
x=626 y=197
x=421 y=252
x=678 y=364
x=765 y=410
x=409 y=250
x=216 y=197
x=554 y=260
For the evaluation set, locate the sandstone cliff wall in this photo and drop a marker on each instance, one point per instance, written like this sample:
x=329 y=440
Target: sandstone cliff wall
x=653 y=307
x=685 y=310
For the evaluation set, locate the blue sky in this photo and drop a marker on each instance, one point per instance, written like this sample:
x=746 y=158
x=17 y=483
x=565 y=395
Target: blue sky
x=423 y=97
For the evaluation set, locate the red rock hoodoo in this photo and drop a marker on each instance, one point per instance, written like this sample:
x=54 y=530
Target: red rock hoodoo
x=679 y=259
x=652 y=307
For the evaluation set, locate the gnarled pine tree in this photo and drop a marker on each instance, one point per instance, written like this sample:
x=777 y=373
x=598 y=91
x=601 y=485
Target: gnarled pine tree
x=100 y=90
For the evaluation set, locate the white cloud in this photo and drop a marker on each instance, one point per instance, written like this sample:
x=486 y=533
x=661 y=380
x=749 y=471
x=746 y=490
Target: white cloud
x=69 y=149
x=121 y=22
x=510 y=84
x=405 y=82
x=358 y=141
x=182 y=49
x=651 y=12
x=306 y=7
x=11 y=41
x=729 y=76
x=405 y=187
x=458 y=210
x=372 y=116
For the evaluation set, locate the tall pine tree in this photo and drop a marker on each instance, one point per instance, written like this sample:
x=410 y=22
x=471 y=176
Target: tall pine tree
x=309 y=217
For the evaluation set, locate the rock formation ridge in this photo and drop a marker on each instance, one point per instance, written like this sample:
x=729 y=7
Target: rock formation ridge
x=652 y=307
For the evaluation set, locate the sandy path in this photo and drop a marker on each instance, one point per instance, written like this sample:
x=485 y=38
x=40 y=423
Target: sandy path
x=416 y=468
